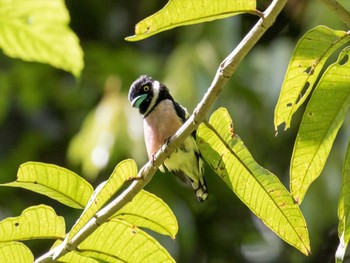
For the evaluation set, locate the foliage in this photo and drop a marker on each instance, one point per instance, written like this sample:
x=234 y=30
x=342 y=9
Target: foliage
x=38 y=31
x=180 y=13
x=259 y=189
x=42 y=222
x=325 y=111
x=55 y=182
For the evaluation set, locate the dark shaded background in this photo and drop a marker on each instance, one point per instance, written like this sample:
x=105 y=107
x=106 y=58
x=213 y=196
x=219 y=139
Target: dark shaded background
x=42 y=110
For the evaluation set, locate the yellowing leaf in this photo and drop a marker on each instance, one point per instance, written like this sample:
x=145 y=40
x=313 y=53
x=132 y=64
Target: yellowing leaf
x=118 y=241
x=308 y=59
x=148 y=211
x=38 y=31
x=322 y=119
x=123 y=171
x=55 y=182
x=259 y=189
x=186 y=12
x=11 y=252
x=35 y=222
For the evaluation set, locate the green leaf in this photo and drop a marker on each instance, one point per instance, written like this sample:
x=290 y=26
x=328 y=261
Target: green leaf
x=35 y=222
x=148 y=211
x=15 y=252
x=119 y=241
x=38 y=31
x=308 y=59
x=122 y=172
x=259 y=189
x=55 y=182
x=344 y=209
x=145 y=210
x=322 y=119
x=180 y=13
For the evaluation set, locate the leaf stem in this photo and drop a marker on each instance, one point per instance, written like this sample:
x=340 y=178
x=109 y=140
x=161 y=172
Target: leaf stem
x=224 y=72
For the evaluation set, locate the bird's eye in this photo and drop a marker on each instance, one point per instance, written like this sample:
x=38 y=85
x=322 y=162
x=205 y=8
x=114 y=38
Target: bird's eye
x=146 y=88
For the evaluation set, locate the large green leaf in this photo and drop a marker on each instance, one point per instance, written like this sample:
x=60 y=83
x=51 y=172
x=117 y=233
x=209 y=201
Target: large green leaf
x=55 y=182
x=119 y=241
x=322 y=119
x=145 y=210
x=35 y=222
x=344 y=209
x=38 y=31
x=148 y=211
x=123 y=171
x=187 y=12
x=259 y=189
x=308 y=59
x=11 y=252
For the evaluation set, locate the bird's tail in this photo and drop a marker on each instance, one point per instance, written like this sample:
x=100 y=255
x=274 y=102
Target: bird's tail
x=200 y=189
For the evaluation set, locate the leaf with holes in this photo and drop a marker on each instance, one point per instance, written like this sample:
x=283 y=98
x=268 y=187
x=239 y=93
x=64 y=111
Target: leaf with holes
x=180 y=13
x=322 y=119
x=38 y=31
x=308 y=59
x=55 y=182
x=35 y=222
x=344 y=209
x=259 y=189
x=119 y=241
x=15 y=252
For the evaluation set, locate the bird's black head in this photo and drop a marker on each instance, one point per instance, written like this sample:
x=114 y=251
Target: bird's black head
x=145 y=93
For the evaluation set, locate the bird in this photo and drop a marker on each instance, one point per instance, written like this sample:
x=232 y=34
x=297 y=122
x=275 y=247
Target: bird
x=162 y=117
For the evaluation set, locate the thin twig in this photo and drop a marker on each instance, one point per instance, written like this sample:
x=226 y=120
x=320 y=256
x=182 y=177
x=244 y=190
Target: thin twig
x=224 y=72
x=339 y=9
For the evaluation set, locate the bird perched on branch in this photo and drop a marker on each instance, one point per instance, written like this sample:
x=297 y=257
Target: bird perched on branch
x=162 y=117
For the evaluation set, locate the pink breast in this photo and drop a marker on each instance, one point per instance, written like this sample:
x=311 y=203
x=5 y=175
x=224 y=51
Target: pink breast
x=159 y=125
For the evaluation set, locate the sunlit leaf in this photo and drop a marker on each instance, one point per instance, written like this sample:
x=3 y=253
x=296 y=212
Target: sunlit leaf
x=55 y=182
x=118 y=241
x=259 y=189
x=148 y=211
x=123 y=171
x=308 y=59
x=322 y=119
x=35 y=222
x=38 y=31
x=145 y=210
x=11 y=252
x=180 y=13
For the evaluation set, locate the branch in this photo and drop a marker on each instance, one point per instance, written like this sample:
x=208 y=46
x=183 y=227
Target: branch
x=339 y=9
x=224 y=72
